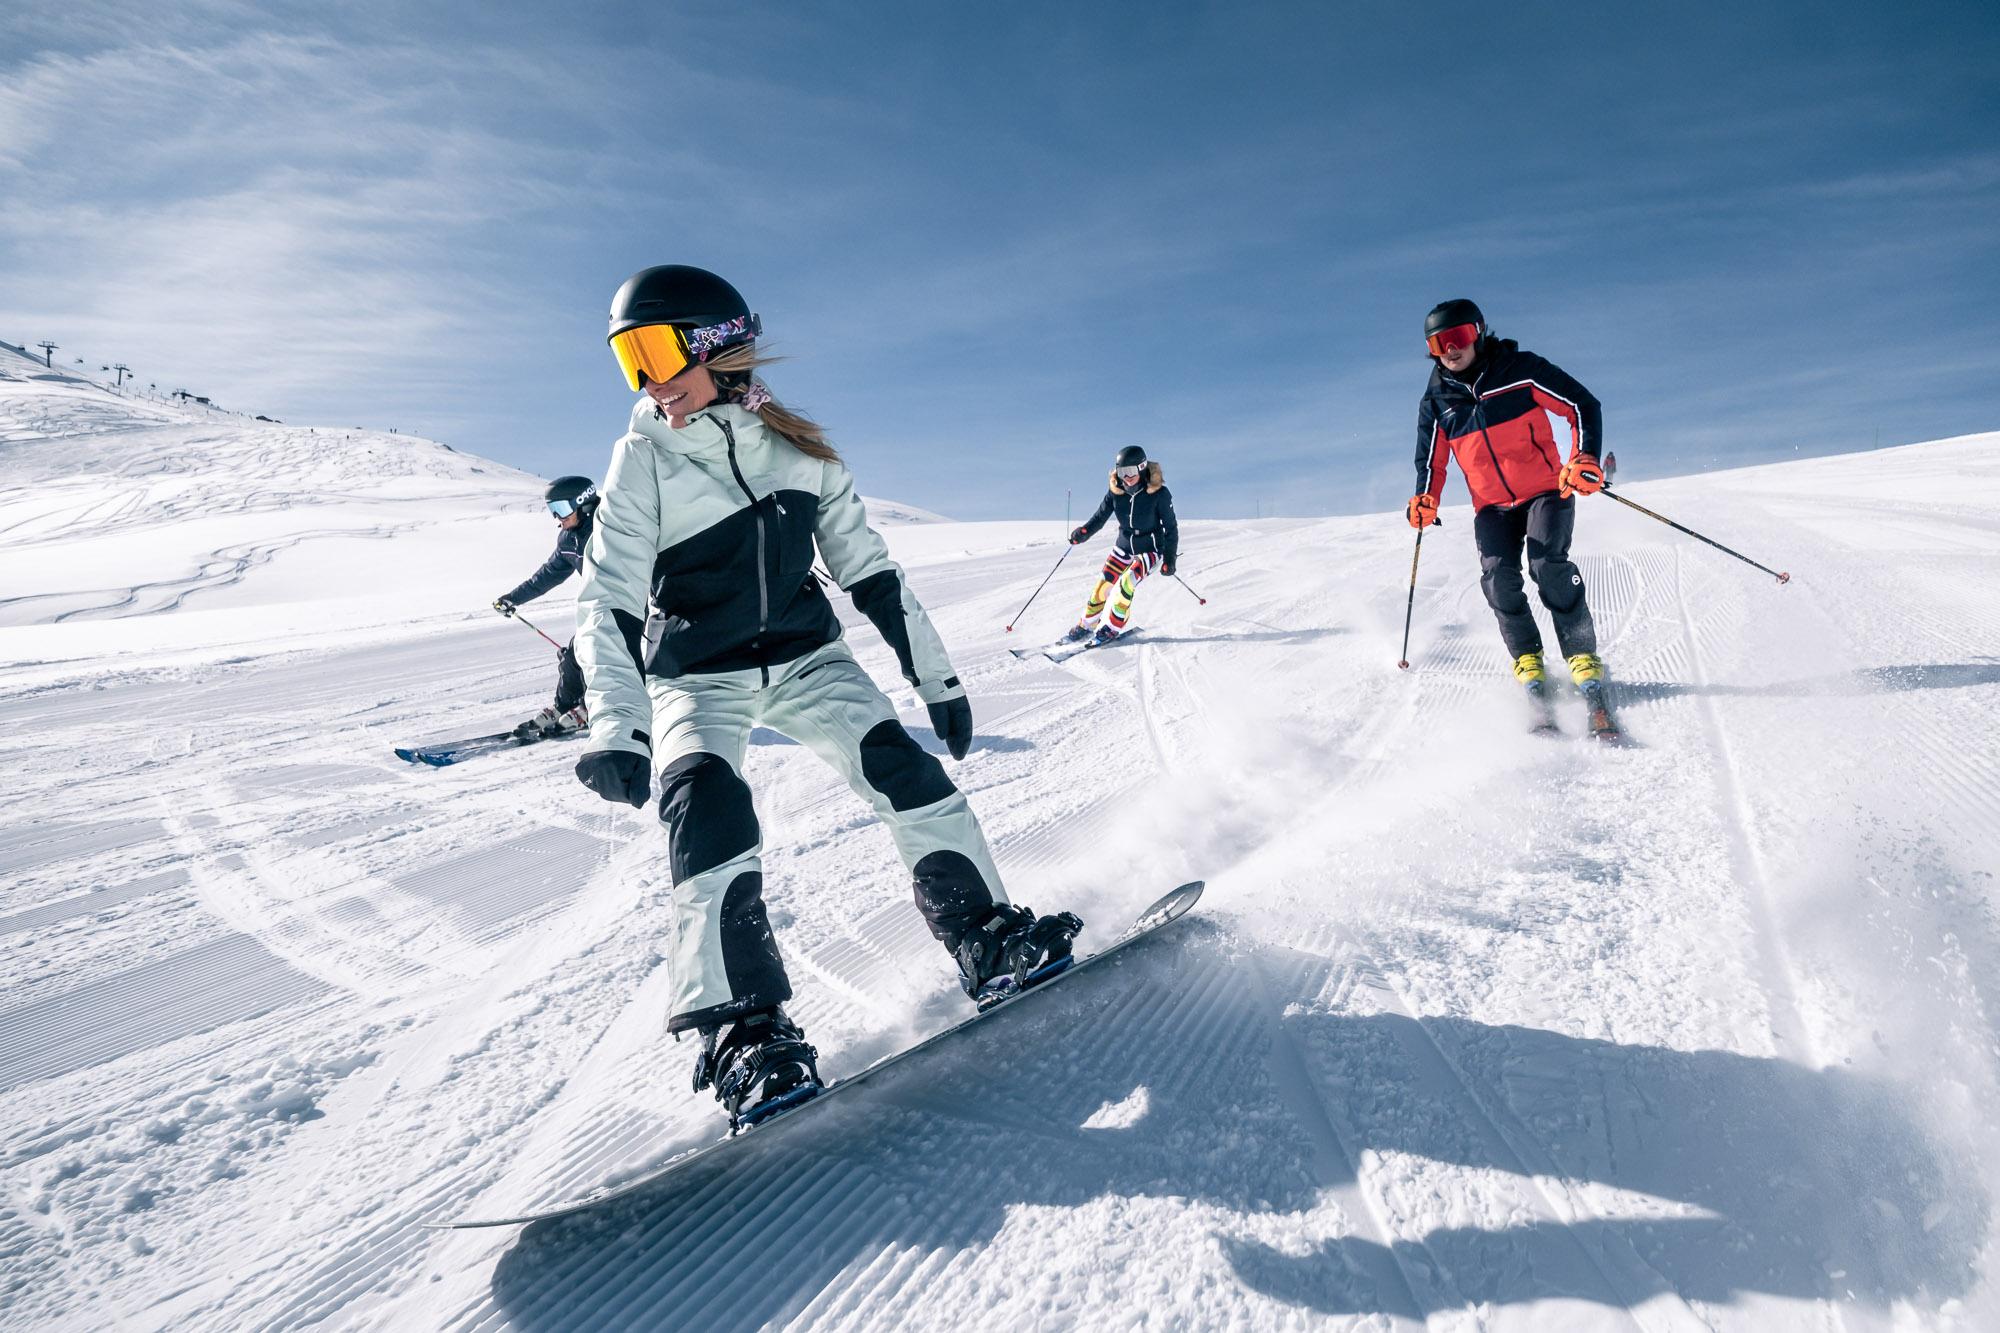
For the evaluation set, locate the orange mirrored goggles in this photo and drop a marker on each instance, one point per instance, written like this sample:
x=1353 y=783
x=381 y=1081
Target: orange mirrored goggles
x=658 y=352
x=1452 y=339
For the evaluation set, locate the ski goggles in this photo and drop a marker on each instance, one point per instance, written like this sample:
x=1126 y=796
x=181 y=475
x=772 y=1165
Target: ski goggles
x=1128 y=475
x=658 y=352
x=564 y=508
x=1454 y=339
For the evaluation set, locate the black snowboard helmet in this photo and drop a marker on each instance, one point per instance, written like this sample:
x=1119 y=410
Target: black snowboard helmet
x=1451 y=314
x=678 y=294
x=1131 y=456
x=700 y=314
x=566 y=495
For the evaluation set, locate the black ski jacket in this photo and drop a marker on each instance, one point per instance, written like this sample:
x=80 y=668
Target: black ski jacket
x=1145 y=516
x=563 y=562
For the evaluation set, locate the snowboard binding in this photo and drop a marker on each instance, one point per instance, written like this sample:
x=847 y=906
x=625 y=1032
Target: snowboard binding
x=1012 y=950
x=758 y=1064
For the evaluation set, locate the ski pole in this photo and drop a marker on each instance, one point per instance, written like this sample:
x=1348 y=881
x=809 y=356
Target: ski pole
x=1403 y=662
x=516 y=615
x=1038 y=590
x=1779 y=575
x=1184 y=583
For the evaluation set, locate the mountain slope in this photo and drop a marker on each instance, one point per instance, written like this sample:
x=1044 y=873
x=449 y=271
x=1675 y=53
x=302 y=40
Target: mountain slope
x=1473 y=1030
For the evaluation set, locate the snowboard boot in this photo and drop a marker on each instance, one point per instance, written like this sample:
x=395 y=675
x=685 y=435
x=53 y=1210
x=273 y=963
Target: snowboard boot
x=758 y=1064
x=1012 y=950
x=1541 y=705
x=1077 y=633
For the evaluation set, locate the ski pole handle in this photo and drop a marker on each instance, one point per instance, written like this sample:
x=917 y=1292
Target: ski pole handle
x=1038 y=588
x=1184 y=583
x=1403 y=662
x=1779 y=575
x=531 y=625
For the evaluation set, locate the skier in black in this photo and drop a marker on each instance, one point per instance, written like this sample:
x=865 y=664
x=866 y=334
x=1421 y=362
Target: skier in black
x=1148 y=540
x=573 y=501
x=1488 y=404
x=700 y=619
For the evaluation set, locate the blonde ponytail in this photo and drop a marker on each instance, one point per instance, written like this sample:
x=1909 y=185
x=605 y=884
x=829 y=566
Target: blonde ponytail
x=804 y=434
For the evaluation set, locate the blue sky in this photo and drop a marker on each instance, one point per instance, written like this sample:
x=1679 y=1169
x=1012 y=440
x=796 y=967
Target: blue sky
x=1000 y=241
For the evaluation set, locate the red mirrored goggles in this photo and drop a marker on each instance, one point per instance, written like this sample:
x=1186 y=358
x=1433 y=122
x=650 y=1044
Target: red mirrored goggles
x=1454 y=339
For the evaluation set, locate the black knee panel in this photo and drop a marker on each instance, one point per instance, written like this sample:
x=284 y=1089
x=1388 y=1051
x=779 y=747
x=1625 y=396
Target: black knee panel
x=1505 y=592
x=1560 y=583
x=708 y=814
x=901 y=769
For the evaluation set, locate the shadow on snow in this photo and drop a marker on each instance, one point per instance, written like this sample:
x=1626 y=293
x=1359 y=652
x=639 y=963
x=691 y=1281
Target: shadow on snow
x=1846 y=684
x=1776 y=1179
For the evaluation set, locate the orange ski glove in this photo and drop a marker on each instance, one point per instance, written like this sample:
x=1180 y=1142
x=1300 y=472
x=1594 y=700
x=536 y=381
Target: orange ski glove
x=1580 y=476
x=1423 y=511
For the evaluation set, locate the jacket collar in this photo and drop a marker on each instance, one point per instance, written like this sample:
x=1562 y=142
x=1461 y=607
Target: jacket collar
x=704 y=435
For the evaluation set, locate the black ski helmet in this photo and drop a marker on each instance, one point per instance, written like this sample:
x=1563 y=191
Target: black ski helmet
x=579 y=492
x=677 y=294
x=1131 y=456
x=1451 y=314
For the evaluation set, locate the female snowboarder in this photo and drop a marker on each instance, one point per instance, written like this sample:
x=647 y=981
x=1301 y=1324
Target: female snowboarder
x=572 y=500
x=700 y=618
x=1487 y=404
x=1148 y=540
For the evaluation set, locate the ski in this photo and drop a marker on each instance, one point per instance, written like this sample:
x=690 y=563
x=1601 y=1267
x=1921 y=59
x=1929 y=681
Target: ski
x=1541 y=711
x=1061 y=651
x=1602 y=726
x=786 y=1120
x=451 y=752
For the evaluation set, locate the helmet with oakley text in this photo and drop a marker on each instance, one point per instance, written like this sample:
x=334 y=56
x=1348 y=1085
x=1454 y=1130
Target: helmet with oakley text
x=566 y=495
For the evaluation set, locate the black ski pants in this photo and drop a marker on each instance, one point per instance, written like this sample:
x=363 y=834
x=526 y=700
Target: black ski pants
x=569 y=678
x=1542 y=526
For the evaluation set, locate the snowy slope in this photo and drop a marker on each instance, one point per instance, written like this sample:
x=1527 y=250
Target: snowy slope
x=1473 y=1030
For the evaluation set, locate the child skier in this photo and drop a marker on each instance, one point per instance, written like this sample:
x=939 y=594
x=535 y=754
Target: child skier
x=700 y=618
x=1487 y=405
x=572 y=500
x=1148 y=540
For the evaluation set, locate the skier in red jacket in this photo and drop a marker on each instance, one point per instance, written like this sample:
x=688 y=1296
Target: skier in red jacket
x=1489 y=404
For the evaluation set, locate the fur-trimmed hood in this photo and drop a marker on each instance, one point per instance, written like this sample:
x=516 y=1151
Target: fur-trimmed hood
x=1155 y=479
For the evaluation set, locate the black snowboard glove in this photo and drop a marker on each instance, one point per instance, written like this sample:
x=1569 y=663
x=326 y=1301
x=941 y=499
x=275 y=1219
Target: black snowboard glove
x=1167 y=567
x=952 y=721
x=617 y=775
x=1079 y=535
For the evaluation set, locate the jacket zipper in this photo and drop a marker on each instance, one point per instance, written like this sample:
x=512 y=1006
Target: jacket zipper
x=763 y=577
x=1479 y=419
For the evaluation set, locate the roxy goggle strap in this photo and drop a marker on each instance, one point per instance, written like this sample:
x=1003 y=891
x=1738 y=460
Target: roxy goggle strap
x=1452 y=339
x=661 y=351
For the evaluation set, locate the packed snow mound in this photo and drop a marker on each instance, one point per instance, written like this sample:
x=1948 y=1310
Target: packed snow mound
x=889 y=511
x=115 y=506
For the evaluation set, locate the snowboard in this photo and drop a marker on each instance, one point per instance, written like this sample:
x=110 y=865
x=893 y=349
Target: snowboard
x=1162 y=913
x=1062 y=652
x=451 y=752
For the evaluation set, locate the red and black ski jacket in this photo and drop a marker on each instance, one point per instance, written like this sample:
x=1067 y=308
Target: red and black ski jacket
x=1496 y=427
